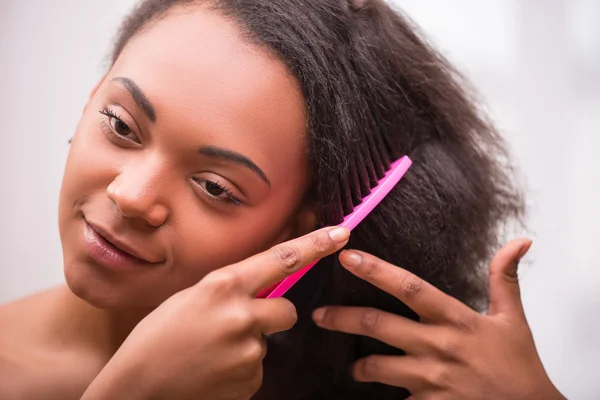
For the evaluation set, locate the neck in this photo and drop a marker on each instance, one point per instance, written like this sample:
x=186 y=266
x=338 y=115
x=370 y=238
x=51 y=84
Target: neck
x=97 y=330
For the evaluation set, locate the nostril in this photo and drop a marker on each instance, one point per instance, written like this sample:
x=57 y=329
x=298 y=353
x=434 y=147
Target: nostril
x=158 y=215
x=136 y=198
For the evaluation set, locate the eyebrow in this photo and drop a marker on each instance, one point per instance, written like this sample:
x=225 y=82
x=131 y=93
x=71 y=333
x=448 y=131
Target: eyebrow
x=236 y=158
x=138 y=96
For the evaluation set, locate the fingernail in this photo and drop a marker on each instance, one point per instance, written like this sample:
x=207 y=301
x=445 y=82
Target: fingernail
x=318 y=315
x=350 y=258
x=340 y=234
x=524 y=249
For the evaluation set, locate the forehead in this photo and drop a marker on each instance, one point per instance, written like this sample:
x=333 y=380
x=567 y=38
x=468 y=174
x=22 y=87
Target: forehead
x=207 y=82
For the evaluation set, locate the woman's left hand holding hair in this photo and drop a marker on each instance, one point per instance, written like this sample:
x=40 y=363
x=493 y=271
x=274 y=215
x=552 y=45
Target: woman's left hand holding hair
x=453 y=352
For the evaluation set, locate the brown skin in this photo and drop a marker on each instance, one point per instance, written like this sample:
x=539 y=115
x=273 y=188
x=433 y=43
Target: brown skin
x=142 y=185
x=220 y=92
x=211 y=341
x=453 y=352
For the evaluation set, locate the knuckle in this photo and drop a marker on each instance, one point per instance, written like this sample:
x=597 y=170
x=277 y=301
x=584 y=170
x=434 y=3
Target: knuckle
x=438 y=376
x=502 y=264
x=367 y=368
x=240 y=320
x=410 y=287
x=221 y=280
x=510 y=276
x=372 y=267
x=253 y=353
x=321 y=243
x=287 y=257
x=465 y=323
x=370 y=320
x=449 y=347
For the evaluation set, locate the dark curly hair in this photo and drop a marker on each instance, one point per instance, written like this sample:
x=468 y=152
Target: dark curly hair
x=374 y=90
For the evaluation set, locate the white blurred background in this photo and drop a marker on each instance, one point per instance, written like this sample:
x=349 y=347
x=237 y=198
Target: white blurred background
x=536 y=63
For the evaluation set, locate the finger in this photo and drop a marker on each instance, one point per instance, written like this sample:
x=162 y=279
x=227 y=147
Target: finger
x=274 y=315
x=422 y=297
x=432 y=394
x=399 y=371
x=277 y=263
x=389 y=328
x=505 y=294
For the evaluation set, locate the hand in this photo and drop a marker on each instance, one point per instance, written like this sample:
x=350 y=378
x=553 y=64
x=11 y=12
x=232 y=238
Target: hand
x=208 y=341
x=453 y=352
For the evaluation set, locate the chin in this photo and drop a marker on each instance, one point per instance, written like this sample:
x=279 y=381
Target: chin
x=105 y=292
x=92 y=290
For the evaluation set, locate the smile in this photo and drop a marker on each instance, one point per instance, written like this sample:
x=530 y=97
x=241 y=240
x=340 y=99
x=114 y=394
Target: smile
x=111 y=253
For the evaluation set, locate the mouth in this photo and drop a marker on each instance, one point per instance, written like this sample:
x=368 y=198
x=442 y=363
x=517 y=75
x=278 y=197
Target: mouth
x=108 y=250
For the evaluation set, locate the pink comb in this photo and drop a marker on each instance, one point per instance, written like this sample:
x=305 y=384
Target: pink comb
x=389 y=180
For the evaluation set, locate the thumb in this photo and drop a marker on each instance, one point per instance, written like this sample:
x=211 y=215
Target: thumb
x=505 y=295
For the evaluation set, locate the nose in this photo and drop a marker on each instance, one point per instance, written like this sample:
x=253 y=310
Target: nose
x=136 y=192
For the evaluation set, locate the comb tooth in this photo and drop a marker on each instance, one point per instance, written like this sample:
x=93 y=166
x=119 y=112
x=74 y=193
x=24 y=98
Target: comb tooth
x=379 y=168
x=383 y=153
x=332 y=211
x=373 y=155
x=377 y=163
x=381 y=150
x=326 y=216
x=363 y=177
x=384 y=156
x=346 y=200
x=337 y=212
x=354 y=182
x=390 y=148
x=357 y=217
x=372 y=176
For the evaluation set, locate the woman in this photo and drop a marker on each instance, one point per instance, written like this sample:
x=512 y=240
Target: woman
x=222 y=129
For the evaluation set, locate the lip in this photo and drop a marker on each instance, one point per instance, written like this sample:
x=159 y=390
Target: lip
x=111 y=252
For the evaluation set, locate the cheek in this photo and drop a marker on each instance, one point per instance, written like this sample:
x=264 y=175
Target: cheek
x=209 y=243
x=89 y=169
x=91 y=164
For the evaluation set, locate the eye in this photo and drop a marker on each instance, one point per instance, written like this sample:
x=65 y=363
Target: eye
x=113 y=124
x=216 y=191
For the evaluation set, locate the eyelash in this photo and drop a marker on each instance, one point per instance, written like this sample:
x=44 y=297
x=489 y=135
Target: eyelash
x=108 y=128
x=231 y=198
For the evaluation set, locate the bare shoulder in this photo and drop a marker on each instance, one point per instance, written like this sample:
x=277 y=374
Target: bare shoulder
x=15 y=378
x=23 y=320
x=21 y=377
x=27 y=363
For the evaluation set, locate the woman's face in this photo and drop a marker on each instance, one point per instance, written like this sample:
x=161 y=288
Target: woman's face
x=190 y=155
